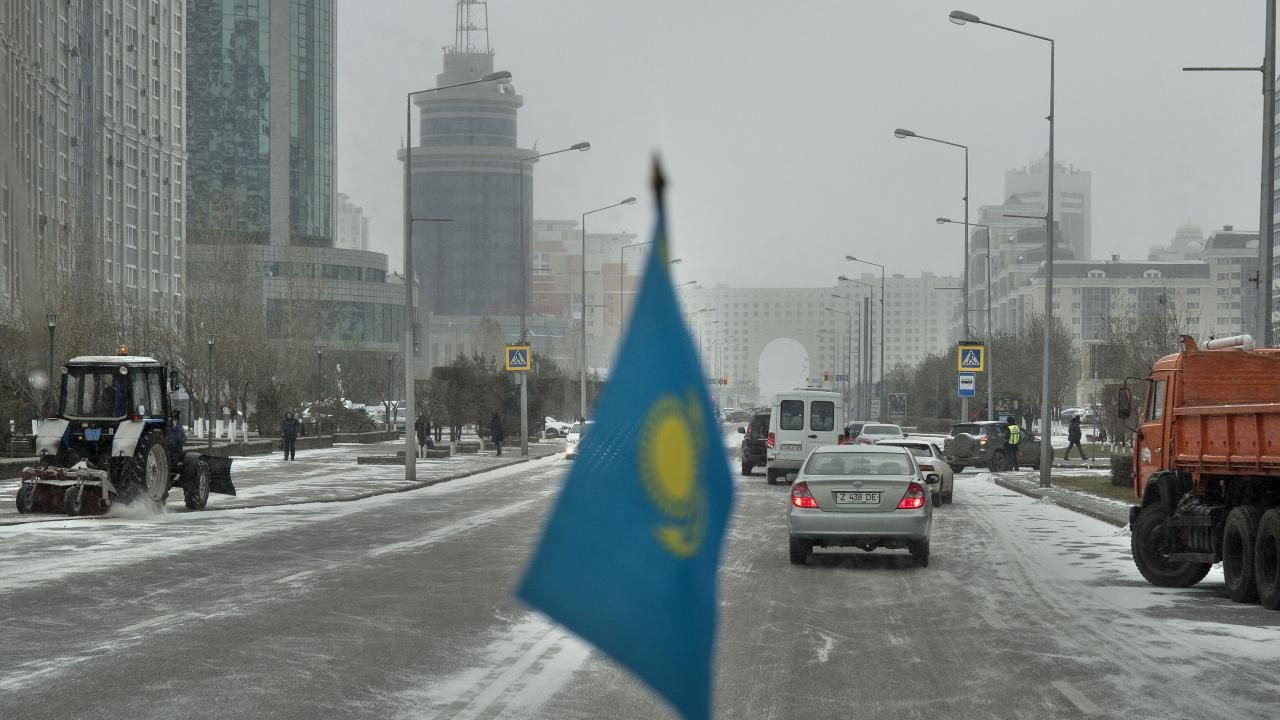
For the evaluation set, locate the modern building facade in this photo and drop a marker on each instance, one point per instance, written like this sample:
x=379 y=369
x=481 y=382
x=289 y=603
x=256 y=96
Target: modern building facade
x=260 y=91
x=352 y=228
x=466 y=167
x=92 y=151
x=1073 y=203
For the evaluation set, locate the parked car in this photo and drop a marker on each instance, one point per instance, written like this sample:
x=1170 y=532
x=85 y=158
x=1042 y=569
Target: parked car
x=755 y=443
x=801 y=420
x=873 y=433
x=981 y=444
x=574 y=436
x=865 y=496
x=929 y=457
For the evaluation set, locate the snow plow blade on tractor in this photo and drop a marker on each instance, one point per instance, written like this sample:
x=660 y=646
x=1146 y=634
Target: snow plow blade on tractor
x=116 y=439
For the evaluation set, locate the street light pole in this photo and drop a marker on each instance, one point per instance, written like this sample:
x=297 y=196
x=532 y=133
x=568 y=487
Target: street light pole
x=52 y=318
x=390 y=357
x=208 y=434
x=523 y=377
x=960 y=17
x=987 y=329
x=582 y=365
x=880 y=399
x=410 y=451
x=903 y=133
x=865 y=343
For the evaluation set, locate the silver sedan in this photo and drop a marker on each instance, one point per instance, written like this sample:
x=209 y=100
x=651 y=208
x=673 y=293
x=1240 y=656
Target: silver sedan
x=865 y=496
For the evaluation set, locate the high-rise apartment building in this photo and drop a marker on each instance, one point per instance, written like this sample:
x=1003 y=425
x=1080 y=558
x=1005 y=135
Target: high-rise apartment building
x=92 y=150
x=1073 y=204
x=352 y=229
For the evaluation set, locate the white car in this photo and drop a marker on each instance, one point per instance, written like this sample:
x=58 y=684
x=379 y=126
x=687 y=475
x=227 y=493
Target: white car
x=928 y=454
x=574 y=437
x=554 y=428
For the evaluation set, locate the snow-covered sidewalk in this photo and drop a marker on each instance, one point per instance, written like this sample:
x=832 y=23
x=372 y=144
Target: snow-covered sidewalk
x=321 y=475
x=1109 y=511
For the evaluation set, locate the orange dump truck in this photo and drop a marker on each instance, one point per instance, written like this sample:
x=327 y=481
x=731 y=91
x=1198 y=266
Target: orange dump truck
x=1206 y=458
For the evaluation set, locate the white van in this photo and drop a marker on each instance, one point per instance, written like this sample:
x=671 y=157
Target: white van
x=801 y=420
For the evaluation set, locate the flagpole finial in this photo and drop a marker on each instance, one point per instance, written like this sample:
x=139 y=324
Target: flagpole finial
x=659 y=182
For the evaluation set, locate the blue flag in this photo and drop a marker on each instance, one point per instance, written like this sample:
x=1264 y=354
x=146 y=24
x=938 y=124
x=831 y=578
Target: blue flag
x=628 y=557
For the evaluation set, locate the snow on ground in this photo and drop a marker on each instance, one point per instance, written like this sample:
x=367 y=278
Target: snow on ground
x=37 y=553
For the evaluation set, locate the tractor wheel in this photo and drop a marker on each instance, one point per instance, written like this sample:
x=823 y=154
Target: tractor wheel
x=196 y=493
x=146 y=474
x=71 y=504
x=24 y=498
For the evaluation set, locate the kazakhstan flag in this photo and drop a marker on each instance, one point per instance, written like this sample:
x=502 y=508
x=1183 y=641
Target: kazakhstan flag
x=628 y=557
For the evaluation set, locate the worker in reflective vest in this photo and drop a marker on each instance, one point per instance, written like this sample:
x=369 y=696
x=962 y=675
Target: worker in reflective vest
x=1011 y=444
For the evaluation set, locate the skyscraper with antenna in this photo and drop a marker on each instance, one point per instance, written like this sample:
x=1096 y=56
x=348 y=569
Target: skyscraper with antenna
x=466 y=166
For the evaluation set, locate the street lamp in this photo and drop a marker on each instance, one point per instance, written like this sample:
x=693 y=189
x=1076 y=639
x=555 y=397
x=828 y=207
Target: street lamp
x=991 y=366
x=320 y=371
x=880 y=391
x=52 y=319
x=524 y=288
x=960 y=17
x=582 y=369
x=864 y=371
x=502 y=76
x=390 y=359
x=1266 y=228
x=849 y=315
x=904 y=133
x=209 y=398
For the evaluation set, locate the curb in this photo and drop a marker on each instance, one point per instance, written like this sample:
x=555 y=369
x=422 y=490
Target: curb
x=1069 y=504
x=345 y=498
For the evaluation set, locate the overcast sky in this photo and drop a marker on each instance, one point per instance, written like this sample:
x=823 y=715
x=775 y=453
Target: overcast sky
x=775 y=119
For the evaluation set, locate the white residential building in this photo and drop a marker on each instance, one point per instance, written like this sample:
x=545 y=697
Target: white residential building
x=352 y=225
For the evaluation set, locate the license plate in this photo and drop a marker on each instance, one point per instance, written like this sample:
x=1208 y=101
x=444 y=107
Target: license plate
x=857 y=498
x=790 y=446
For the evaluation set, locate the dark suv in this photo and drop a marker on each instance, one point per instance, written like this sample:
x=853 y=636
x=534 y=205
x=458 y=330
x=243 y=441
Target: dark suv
x=981 y=444
x=755 y=442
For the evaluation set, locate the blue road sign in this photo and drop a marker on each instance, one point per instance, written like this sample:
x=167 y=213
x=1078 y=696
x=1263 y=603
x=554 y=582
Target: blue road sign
x=967 y=385
x=842 y=377
x=971 y=357
x=518 y=357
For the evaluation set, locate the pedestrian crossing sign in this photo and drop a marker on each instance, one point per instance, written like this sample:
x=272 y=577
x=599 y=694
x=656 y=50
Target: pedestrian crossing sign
x=519 y=359
x=971 y=357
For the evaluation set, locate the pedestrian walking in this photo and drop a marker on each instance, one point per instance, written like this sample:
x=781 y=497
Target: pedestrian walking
x=1012 y=443
x=496 y=432
x=290 y=428
x=423 y=430
x=1073 y=439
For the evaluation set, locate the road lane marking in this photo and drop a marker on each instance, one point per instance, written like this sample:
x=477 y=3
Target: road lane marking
x=447 y=531
x=1077 y=698
x=295 y=576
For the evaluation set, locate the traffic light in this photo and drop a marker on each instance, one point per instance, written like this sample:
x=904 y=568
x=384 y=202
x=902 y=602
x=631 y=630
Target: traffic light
x=826 y=375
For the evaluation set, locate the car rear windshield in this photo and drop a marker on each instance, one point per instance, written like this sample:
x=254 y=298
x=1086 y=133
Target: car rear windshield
x=967 y=429
x=881 y=430
x=759 y=426
x=792 y=415
x=863 y=463
x=918 y=450
x=822 y=415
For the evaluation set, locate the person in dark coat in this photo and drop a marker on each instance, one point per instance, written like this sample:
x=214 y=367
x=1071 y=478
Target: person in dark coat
x=423 y=429
x=1073 y=439
x=177 y=438
x=290 y=428
x=496 y=432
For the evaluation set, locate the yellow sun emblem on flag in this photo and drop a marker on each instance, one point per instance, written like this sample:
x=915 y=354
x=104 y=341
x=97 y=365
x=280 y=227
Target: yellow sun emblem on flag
x=670 y=447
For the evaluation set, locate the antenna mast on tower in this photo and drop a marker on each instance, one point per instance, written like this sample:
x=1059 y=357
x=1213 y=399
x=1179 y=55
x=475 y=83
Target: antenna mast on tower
x=472 y=35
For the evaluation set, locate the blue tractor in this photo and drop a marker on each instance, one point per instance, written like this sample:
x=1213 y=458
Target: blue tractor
x=115 y=438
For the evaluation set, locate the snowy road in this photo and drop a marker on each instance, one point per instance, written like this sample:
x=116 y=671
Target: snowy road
x=400 y=606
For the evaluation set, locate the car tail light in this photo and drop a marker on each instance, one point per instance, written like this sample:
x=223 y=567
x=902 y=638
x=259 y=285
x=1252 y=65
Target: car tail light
x=801 y=497
x=913 y=499
x=864 y=441
x=982 y=440
x=771 y=439
x=926 y=467
x=135 y=417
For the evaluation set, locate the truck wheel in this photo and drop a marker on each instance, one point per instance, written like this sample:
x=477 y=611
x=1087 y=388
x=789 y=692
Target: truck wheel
x=1151 y=556
x=997 y=461
x=71 y=504
x=196 y=493
x=1239 y=543
x=1266 y=558
x=746 y=468
x=23 y=499
x=957 y=469
x=936 y=498
x=799 y=551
